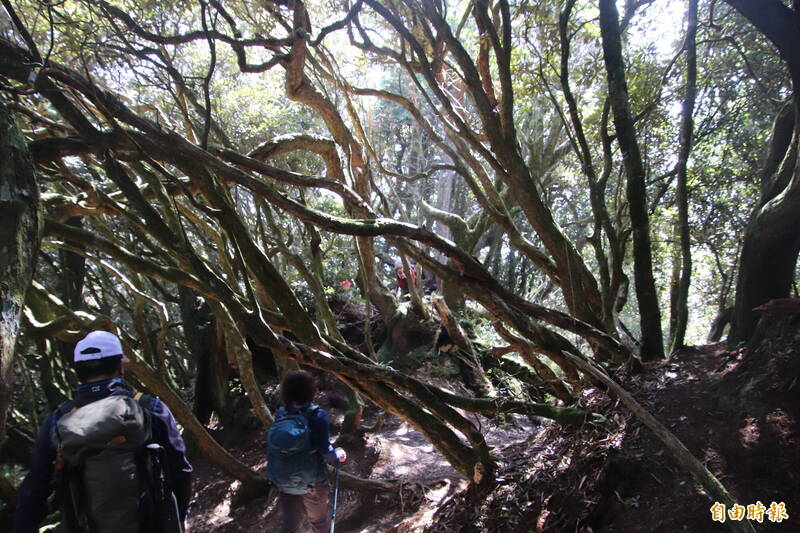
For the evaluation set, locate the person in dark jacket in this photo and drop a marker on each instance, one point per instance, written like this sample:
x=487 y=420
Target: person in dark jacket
x=99 y=363
x=297 y=393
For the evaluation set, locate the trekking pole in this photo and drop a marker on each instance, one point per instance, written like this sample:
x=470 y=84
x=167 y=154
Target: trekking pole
x=335 y=498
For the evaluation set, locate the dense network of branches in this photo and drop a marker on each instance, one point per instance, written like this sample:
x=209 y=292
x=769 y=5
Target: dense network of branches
x=210 y=172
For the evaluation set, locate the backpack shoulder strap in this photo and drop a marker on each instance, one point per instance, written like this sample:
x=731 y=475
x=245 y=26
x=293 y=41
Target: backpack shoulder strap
x=142 y=399
x=146 y=401
x=310 y=413
x=54 y=416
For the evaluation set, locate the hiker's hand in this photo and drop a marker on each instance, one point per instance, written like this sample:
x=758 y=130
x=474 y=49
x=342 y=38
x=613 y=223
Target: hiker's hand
x=341 y=455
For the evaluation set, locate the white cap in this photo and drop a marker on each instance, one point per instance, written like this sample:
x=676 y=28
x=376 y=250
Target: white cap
x=98 y=345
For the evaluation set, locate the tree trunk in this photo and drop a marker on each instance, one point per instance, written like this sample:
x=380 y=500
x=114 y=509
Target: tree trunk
x=772 y=239
x=679 y=316
x=769 y=257
x=650 y=316
x=48 y=360
x=20 y=235
x=722 y=319
x=237 y=344
x=73 y=271
x=472 y=370
x=211 y=381
x=300 y=89
x=70 y=290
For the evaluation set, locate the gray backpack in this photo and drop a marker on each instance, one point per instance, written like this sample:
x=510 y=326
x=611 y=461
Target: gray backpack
x=105 y=468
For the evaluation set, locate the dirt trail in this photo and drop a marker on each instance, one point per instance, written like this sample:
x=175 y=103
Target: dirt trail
x=396 y=452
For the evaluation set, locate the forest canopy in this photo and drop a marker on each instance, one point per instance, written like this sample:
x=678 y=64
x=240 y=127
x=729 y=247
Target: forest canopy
x=230 y=185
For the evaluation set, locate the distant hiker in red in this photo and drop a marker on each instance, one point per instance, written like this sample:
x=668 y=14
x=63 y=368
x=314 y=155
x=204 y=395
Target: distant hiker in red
x=115 y=458
x=347 y=289
x=400 y=273
x=298 y=446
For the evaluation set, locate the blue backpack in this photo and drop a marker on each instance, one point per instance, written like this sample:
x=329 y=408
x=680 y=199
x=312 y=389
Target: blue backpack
x=292 y=462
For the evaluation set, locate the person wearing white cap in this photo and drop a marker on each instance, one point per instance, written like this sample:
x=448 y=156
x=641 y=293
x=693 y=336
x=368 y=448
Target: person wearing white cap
x=99 y=362
x=400 y=275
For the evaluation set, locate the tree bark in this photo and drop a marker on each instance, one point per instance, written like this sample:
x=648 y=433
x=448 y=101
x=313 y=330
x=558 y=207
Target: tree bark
x=769 y=257
x=765 y=277
x=772 y=239
x=646 y=294
x=597 y=184
x=679 y=316
x=20 y=236
x=722 y=319
x=211 y=381
x=474 y=373
x=236 y=343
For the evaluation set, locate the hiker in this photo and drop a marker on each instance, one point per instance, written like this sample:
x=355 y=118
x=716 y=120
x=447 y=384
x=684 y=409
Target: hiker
x=347 y=292
x=400 y=274
x=298 y=448
x=138 y=457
